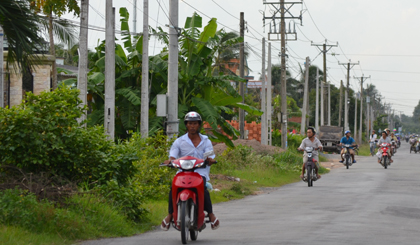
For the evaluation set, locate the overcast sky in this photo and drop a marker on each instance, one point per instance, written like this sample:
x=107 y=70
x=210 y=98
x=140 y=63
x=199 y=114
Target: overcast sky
x=383 y=35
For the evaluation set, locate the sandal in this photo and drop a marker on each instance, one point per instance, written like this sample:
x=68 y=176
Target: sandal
x=215 y=224
x=165 y=226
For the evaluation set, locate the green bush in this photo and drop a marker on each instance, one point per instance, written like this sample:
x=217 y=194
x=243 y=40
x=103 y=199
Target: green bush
x=43 y=135
x=293 y=140
x=153 y=181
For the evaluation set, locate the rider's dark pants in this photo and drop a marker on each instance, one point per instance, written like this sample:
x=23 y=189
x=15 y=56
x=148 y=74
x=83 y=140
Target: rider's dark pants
x=208 y=207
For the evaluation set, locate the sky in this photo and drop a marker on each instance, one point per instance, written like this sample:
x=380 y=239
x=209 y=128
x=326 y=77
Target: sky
x=382 y=35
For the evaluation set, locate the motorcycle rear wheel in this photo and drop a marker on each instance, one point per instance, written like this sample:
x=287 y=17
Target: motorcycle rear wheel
x=184 y=228
x=193 y=235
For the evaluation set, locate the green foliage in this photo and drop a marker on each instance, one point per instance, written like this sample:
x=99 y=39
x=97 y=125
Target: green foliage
x=243 y=157
x=293 y=140
x=43 y=135
x=153 y=182
x=84 y=217
x=128 y=199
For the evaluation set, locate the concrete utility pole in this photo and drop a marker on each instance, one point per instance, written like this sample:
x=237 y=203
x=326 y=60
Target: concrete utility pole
x=1 y=69
x=282 y=36
x=340 y=108
x=317 y=100
x=144 y=111
x=269 y=96
x=263 y=97
x=242 y=75
x=367 y=118
x=135 y=15
x=83 y=55
x=109 y=119
x=361 y=79
x=324 y=51
x=346 y=104
x=305 y=99
x=329 y=104
x=173 y=122
x=355 y=117
x=322 y=104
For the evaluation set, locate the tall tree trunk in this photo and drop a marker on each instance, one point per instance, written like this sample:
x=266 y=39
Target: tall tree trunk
x=52 y=52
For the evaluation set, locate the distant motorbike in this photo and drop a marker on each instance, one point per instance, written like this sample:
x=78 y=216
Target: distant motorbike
x=385 y=162
x=346 y=155
x=310 y=174
x=393 y=147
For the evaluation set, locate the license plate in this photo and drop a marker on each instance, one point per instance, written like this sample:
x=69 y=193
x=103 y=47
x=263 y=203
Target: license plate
x=329 y=143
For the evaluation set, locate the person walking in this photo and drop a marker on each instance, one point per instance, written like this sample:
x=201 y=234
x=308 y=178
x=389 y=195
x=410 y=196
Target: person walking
x=372 y=140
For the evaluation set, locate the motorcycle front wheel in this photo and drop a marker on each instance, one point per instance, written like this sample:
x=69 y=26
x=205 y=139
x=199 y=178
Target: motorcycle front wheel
x=308 y=175
x=193 y=235
x=347 y=161
x=184 y=228
x=385 y=162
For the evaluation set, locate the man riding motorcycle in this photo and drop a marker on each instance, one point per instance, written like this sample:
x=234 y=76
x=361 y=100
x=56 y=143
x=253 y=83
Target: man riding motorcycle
x=347 y=140
x=310 y=141
x=384 y=139
x=192 y=144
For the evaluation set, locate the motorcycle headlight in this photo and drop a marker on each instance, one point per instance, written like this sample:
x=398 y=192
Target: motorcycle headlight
x=187 y=164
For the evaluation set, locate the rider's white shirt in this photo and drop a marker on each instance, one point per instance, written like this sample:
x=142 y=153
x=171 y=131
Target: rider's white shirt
x=373 y=138
x=382 y=140
x=308 y=143
x=183 y=146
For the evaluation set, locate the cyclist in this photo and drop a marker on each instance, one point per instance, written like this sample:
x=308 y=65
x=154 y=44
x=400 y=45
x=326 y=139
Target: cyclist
x=372 y=140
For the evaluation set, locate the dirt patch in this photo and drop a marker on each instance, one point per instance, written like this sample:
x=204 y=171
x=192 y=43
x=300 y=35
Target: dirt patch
x=256 y=146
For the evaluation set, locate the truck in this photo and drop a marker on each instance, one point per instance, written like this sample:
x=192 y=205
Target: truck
x=330 y=137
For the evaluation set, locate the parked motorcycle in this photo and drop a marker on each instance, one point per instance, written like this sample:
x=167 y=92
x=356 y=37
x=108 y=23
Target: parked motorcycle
x=310 y=171
x=385 y=162
x=347 y=157
x=188 y=197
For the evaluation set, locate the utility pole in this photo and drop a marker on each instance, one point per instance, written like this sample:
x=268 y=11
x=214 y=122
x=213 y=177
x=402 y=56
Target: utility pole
x=269 y=96
x=263 y=97
x=340 y=108
x=242 y=75
x=324 y=51
x=362 y=79
x=367 y=118
x=144 y=111
x=322 y=103
x=317 y=101
x=173 y=122
x=355 y=117
x=283 y=37
x=109 y=119
x=135 y=15
x=83 y=55
x=346 y=104
x=1 y=69
x=329 y=104
x=305 y=98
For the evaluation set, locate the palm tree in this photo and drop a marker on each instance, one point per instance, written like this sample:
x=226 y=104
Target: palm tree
x=226 y=54
x=20 y=25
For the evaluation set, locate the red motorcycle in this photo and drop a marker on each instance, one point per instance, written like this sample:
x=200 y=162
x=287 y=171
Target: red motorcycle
x=385 y=157
x=188 y=197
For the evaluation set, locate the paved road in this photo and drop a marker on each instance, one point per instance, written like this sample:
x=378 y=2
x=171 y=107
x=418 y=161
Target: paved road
x=365 y=204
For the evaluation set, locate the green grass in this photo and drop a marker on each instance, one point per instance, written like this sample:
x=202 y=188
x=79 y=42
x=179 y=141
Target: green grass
x=14 y=235
x=364 y=150
x=83 y=217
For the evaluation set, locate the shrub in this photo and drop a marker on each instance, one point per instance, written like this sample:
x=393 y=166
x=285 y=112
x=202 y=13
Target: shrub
x=43 y=135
